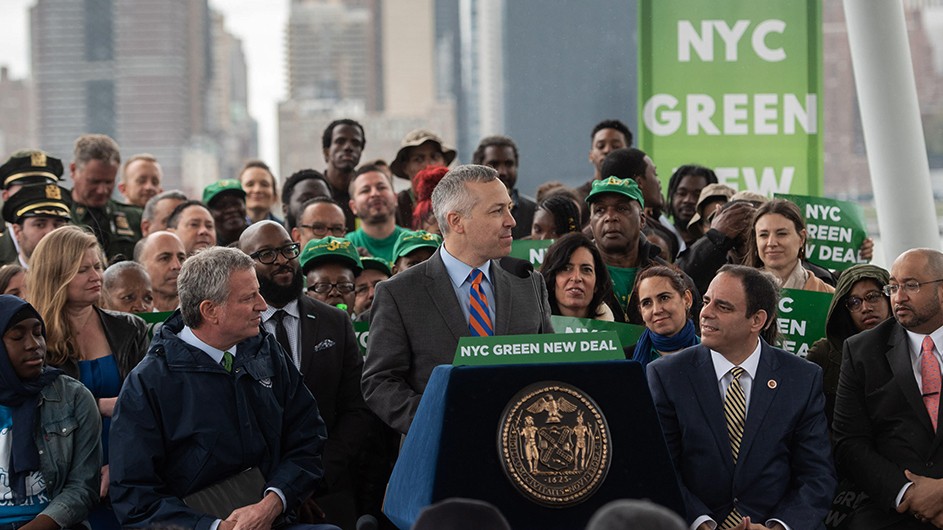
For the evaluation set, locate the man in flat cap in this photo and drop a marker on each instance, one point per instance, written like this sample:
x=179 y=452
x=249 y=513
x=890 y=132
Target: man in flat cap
x=419 y=149
x=32 y=212
x=94 y=168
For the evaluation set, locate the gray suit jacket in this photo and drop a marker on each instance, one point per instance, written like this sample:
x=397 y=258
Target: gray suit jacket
x=416 y=324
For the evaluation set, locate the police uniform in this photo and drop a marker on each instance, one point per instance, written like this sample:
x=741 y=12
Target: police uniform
x=29 y=167
x=34 y=200
x=117 y=225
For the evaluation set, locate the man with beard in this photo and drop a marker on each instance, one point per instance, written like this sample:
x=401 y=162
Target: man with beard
x=886 y=424
x=320 y=340
x=373 y=201
x=342 y=143
x=162 y=255
x=227 y=201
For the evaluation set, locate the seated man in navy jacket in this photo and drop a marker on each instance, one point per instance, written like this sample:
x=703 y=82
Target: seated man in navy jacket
x=211 y=399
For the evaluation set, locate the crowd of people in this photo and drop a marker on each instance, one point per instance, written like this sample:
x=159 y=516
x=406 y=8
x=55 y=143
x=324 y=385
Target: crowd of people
x=255 y=380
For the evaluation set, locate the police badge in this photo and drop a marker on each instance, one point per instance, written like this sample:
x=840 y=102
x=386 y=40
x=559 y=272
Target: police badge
x=554 y=444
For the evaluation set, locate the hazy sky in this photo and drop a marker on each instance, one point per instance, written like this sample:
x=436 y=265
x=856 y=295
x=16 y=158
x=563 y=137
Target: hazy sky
x=259 y=23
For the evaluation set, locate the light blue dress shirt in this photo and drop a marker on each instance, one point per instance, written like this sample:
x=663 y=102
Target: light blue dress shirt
x=458 y=273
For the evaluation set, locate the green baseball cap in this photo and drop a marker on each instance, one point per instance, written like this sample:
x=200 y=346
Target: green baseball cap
x=377 y=264
x=627 y=187
x=330 y=250
x=409 y=241
x=222 y=186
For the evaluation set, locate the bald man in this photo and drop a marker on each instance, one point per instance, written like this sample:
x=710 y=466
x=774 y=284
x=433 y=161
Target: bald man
x=162 y=254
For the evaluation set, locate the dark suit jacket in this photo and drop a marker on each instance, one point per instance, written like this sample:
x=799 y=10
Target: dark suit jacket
x=7 y=249
x=331 y=366
x=785 y=466
x=881 y=425
x=416 y=324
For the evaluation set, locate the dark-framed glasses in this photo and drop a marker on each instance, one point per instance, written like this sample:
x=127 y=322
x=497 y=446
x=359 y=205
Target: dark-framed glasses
x=911 y=287
x=321 y=229
x=853 y=303
x=326 y=287
x=269 y=255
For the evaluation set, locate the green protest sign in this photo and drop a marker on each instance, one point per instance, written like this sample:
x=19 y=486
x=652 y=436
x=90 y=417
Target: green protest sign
x=530 y=250
x=153 y=320
x=834 y=230
x=545 y=348
x=735 y=86
x=628 y=333
x=801 y=319
x=362 y=331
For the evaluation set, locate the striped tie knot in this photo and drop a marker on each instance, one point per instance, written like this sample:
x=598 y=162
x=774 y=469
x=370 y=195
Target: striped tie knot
x=479 y=315
x=736 y=372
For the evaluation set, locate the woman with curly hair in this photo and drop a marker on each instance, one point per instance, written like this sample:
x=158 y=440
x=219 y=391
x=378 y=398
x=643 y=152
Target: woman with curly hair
x=426 y=181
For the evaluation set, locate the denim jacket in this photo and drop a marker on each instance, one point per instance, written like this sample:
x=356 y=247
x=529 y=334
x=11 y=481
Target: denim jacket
x=68 y=436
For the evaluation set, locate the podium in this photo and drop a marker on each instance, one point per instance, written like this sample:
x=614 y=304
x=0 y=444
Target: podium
x=454 y=446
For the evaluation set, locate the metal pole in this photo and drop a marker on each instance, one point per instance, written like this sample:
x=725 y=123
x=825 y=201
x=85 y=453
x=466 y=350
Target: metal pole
x=890 y=117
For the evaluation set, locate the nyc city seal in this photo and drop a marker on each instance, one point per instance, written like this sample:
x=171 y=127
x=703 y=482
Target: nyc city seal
x=554 y=444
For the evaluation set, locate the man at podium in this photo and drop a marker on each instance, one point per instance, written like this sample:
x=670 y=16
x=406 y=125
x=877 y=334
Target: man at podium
x=419 y=314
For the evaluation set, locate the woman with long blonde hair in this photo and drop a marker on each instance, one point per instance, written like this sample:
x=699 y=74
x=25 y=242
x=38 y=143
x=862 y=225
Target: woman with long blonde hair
x=95 y=346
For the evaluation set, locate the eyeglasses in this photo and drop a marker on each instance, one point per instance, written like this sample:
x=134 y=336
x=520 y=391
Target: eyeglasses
x=853 y=303
x=326 y=287
x=911 y=287
x=320 y=229
x=270 y=255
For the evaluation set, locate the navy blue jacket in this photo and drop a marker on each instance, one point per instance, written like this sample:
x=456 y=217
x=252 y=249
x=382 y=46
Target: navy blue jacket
x=183 y=423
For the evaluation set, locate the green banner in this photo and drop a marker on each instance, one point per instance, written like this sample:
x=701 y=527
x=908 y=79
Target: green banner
x=531 y=349
x=834 y=230
x=153 y=319
x=735 y=86
x=362 y=331
x=628 y=333
x=802 y=319
x=532 y=251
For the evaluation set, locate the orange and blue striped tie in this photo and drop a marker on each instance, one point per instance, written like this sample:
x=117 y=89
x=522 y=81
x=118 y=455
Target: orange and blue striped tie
x=479 y=317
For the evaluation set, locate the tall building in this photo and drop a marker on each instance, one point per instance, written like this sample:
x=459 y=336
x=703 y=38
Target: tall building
x=17 y=127
x=331 y=51
x=544 y=88
x=355 y=59
x=139 y=71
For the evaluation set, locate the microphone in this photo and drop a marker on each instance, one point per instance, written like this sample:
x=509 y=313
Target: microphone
x=367 y=522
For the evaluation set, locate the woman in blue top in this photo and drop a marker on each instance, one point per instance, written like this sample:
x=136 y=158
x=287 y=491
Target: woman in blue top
x=664 y=299
x=96 y=346
x=50 y=434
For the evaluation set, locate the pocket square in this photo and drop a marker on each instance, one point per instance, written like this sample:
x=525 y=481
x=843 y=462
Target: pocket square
x=324 y=344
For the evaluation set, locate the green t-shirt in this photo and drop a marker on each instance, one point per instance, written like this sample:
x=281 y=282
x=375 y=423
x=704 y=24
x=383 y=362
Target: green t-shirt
x=380 y=248
x=623 y=279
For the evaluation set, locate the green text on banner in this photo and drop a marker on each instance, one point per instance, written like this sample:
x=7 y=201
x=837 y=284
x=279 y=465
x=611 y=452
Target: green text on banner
x=802 y=318
x=735 y=86
x=834 y=230
x=628 y=333
x=531 y=349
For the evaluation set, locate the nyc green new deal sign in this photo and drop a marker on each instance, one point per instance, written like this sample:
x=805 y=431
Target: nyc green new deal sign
x=735 y=86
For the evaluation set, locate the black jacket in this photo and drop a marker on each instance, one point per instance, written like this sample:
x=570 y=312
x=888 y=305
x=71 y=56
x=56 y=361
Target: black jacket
x=127 y=338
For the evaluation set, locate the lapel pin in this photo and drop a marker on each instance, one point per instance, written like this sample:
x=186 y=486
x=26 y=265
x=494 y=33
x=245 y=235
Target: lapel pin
x=771 y=384
x=309 y=315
